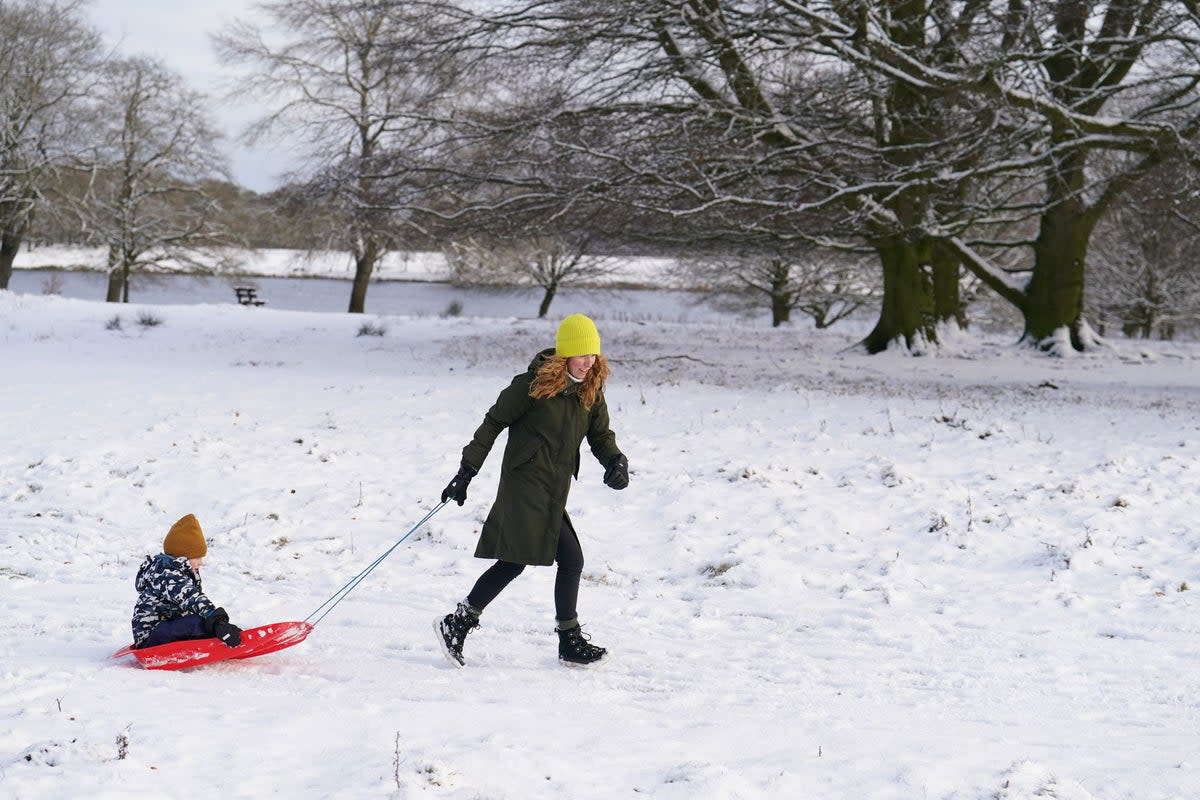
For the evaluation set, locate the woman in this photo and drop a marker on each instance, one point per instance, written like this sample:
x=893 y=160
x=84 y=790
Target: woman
x=548 y=411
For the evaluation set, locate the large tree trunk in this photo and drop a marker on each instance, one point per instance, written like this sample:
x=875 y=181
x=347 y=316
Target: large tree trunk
x=118 y=276
x=781 y=310
x=906 y=314
x=115 y=287
x=547 y=299
x=1055 y=294
x=10 y=245
x=16 y=214
x=781 y=298
x=364 y=266
x=947 y=298
x=1053 y=302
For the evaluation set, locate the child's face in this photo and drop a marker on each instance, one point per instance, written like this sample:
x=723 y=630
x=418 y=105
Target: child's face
x=195 y=563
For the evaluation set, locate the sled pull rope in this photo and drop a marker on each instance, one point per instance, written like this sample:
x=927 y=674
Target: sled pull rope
x=341 y=593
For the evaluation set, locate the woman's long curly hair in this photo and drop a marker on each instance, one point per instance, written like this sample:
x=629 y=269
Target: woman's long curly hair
x=551 y=379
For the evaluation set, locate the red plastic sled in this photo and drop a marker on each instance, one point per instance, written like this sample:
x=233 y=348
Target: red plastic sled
x=195 y=652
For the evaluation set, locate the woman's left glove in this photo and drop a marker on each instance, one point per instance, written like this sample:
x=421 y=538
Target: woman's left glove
x=616 y=474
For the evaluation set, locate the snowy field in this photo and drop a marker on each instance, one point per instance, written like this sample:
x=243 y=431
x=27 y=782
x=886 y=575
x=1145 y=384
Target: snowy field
x=968 y=577
x=409 y=298
x=270 y=262
x=412 y=284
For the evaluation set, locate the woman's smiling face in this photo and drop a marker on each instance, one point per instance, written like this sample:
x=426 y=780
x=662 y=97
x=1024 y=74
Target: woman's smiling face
x=579 y=366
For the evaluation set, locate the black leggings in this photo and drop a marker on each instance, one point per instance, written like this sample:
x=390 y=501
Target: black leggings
x=569 y=558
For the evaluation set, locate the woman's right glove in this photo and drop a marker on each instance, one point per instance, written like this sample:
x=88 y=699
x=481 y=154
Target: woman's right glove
x=456 y=490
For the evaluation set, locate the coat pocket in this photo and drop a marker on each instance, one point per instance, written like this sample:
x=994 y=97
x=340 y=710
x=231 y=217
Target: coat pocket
x=522 y=455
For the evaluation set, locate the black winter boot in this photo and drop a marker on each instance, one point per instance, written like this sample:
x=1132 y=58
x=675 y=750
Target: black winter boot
x=574 y=647
x=452 y=631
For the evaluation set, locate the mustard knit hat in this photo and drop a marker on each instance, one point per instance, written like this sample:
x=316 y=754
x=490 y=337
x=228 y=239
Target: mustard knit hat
x=577 y=336
x=186 y=539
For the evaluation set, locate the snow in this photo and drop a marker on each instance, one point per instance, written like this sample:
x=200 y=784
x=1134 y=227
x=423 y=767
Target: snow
x=964 y=576
x=275 y=262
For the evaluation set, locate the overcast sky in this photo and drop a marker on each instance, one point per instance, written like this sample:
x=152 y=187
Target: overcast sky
x=179 y=34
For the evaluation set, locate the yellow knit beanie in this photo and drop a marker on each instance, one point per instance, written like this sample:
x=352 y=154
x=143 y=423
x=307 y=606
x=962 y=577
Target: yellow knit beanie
x=186 y=539
x=577 y=336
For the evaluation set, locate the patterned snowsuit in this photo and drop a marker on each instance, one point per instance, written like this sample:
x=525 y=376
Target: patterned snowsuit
x=168 y=589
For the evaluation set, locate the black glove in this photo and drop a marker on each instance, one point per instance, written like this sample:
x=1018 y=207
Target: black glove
x=228 y=633
x=456 y=490
x=217 y=624
x=616 y=474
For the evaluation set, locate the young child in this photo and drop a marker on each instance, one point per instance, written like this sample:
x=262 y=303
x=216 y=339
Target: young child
x=171 y=604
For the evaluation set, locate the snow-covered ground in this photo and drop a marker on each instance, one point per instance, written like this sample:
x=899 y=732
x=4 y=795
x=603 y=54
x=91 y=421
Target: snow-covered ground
x=974 y=576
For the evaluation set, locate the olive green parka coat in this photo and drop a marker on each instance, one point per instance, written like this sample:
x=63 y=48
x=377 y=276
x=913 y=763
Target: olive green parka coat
x=541 y=457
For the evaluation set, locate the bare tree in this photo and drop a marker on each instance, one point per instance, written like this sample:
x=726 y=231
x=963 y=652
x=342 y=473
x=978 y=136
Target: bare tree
x=347 y=81
x=146 y=199
x=931 y=131
x=823 y=284
x=735 y=121
x=1050 y=85
x=1092 y=80
x=548 y=262
x=1144 y=271
x=48 y=57
x=1064 y=83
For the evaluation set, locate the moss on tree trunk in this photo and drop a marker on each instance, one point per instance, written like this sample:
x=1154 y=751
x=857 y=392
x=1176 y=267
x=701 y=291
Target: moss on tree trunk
x=1054 y=296
x=907 y=312
x=947 y=299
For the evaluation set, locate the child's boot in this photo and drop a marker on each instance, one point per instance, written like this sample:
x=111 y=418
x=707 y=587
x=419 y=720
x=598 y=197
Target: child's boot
x=574 y=646
x=452 y=631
